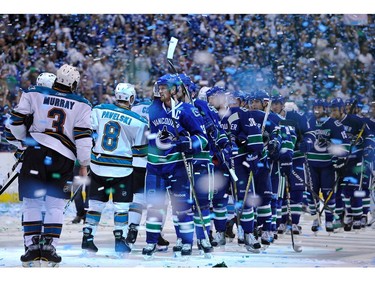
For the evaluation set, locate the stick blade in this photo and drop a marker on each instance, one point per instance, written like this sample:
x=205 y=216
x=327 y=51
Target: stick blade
x=171 y=48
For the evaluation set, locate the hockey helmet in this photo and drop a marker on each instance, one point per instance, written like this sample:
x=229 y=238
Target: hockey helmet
x=278 y=99
x=45 y=79
x=261 y=95
x=170 y=80
x=320 y=102
x=124 y=92
x=337 y=102
x=215 y=91
x=69 y=76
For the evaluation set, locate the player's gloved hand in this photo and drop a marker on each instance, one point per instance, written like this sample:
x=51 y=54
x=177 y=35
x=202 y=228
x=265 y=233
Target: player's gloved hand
x=368 y=153
x=227 y=153
x=266 y=137
x=252 y=162
x=273 y=149
x=305 y=145
x=339 y=164
x=182 y=144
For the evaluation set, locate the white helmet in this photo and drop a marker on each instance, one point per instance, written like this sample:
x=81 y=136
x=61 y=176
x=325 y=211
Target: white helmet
x=202 y=95
x=124 y=92
x=69 y=76
x=45 y=79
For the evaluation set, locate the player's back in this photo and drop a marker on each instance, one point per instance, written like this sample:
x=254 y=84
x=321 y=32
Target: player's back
x=117 y=130
x=59 y=118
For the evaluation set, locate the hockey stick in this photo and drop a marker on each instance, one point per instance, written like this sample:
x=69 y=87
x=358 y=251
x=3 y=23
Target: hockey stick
x=79 y=188
x=171 y=49
x=295 y=247
x=9 y=178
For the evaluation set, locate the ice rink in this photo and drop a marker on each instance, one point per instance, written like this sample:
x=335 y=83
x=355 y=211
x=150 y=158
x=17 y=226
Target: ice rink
x=345 y=254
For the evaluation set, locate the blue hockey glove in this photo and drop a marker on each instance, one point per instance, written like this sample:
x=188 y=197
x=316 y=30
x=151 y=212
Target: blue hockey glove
x=252 y=162
x=368 y=153
x=183 y=144
x=227 y=153
x=305 y=145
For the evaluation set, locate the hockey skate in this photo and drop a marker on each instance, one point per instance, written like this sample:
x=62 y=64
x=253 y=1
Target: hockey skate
x=205 y=248
x=315 y=226
x=281 y=229
x=31 y=258
x=240 y=236
x=296 y=229
x=348 y=222
x=48 y=255
x=363 y=222
x=252 y=244
x=229 y=230
x=177 y=248
x=149 y=251
x=212 y=239
x=219 y=239
x=266 y=239
x=357 y=225
x=372 y=221
x=186 y=250
x=88 y=245
x=162 y=245
x=329 y=226
x=121 y=247
x=132 y=235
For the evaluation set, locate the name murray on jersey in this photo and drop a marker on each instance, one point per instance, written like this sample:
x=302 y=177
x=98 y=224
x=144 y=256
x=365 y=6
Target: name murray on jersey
x=58 y=102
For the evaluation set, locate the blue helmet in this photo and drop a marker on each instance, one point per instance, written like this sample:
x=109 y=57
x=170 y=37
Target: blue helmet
x=261 y=95
x=278 y=98
x=169 y=80
x=350 y=101
x=320 y=102
x=189 y=84
x=337 y=102
x=215 y=90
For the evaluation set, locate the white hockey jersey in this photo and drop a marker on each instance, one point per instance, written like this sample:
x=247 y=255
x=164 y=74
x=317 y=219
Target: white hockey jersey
x=119 y=136
x=61 y=121
x=142 y=109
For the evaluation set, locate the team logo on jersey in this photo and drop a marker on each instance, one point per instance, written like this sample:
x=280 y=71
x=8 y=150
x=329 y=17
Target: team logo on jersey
x=196 y=112
x=164 y=139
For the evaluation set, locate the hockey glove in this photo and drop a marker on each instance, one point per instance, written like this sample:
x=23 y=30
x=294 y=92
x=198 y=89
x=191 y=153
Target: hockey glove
x=305 y=145
x=252 y=162
x=339 y=164
x=183 y=144
x=227 y=153
x=368 y=153
x=273 y=149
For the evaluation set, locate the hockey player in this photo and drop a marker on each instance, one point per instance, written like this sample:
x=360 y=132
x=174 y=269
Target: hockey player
x=326 y=145
x=247 y=135
x=202 y=165
x=355 y=178
x=180 y=134
x=61 y=131
x=272 y=140
x=139 y=175
x=222 y=150
x=119 y=133
x=297 y=123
